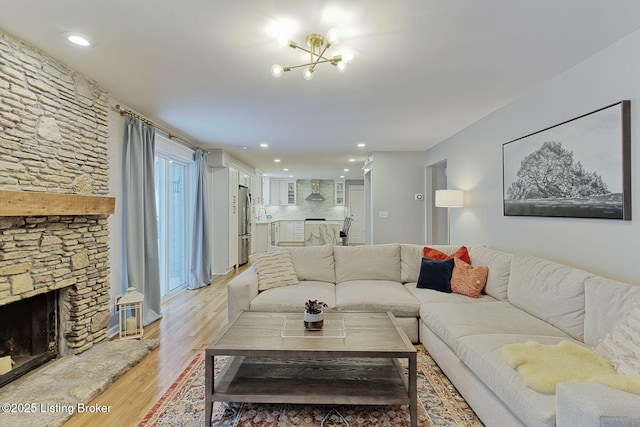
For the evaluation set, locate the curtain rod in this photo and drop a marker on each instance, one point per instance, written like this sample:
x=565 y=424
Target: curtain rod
x=124 y=111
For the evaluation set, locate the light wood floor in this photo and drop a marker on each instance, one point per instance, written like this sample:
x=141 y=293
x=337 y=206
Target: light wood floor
x=191 y=319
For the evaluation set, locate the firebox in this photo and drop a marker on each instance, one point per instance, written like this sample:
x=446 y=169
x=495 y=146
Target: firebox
x=29 y=333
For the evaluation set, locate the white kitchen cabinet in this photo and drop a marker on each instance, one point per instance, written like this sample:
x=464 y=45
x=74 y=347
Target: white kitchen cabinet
x=224 y=205
x=266 y=190
x=245 y=180
x=287 y=231
x=339 y=193
x=283 y=192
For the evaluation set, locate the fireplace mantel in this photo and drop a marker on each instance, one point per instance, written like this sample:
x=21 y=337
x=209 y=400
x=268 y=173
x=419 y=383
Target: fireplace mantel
x=31 y=203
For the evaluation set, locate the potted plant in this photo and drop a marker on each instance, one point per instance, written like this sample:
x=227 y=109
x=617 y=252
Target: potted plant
x=314 y=315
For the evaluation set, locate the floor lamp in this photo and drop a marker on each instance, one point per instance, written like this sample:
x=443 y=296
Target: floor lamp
x=449 y=199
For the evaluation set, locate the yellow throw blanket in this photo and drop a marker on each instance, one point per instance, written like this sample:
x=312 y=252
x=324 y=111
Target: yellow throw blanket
x=543 y=366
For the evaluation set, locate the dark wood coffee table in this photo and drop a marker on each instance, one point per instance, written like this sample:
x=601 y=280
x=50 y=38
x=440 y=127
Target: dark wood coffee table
x=359 y=366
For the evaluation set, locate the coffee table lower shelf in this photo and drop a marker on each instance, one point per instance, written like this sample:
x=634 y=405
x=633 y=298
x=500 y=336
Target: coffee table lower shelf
x=351 y=381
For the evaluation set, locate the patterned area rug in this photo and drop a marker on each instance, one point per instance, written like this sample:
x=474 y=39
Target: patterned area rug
x=439 y=404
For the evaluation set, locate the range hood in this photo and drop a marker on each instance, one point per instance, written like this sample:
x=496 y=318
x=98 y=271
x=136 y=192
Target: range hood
x=315 y=195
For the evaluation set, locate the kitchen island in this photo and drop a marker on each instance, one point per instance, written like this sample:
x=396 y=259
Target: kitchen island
x=318 y=233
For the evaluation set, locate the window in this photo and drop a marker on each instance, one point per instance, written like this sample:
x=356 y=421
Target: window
x=173 y=171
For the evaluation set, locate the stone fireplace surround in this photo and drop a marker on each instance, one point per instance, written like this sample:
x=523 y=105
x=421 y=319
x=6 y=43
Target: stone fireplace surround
x=53 y=140
x=69 y=253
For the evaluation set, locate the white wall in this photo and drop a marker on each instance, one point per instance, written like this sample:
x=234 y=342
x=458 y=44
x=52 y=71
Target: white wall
x=474 y=159
x=396 y=178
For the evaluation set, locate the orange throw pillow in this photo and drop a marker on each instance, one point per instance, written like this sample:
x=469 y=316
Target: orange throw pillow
x=468 y=280
x=437 y=255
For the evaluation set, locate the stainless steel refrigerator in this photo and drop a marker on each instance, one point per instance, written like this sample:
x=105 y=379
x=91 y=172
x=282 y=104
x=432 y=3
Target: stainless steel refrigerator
x=244 y=224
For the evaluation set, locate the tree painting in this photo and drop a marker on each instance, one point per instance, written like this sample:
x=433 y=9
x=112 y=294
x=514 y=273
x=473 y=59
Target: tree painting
x=552 y=172
x=580 y=168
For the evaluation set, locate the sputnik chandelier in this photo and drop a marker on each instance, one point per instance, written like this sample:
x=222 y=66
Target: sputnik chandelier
x=318 y=45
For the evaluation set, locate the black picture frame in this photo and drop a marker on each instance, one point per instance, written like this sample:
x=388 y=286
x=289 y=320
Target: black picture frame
x=580 y=168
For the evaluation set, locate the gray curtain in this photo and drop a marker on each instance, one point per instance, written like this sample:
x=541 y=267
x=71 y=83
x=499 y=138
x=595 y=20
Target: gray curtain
x=141 y=267
x=201 y=251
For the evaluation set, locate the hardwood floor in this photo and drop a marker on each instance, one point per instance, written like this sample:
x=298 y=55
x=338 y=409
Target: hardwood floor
x=191 y=319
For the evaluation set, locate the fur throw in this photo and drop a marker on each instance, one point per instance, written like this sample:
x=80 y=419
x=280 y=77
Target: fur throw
x=543 y=366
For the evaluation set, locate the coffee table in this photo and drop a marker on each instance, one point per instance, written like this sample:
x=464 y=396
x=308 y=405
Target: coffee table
x=357 y=364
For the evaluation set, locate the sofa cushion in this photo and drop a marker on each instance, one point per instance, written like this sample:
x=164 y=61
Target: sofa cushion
x=431 y=296
x=314 y=263
x=433 y=253
x=376 y=295
x=600 y=317
x=411 y=258
x=274 y=269
x=499 y=265
x=436 y=275
x=622 y=345
x=483 y=355
x=292 y=298
x=468 y=280
x=551 y=291
x=367 y=262
x=451 y=321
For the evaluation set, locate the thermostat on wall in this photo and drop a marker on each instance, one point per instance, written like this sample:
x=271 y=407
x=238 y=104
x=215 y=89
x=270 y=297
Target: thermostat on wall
x=418 y=196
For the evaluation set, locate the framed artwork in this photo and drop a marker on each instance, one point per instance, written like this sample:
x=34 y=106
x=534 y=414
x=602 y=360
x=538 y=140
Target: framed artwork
x=580 y=168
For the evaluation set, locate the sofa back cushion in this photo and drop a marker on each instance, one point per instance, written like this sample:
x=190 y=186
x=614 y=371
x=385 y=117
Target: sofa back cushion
x=411 y=259
x=367 y=262
x=499 y=265
x=607 y=302
x=550 y=291
x=314 y=263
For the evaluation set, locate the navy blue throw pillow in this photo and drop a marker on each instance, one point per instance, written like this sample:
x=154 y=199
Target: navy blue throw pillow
x=436 y=274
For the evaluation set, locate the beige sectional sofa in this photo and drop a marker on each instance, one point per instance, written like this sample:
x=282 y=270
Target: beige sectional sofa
x=525 y=298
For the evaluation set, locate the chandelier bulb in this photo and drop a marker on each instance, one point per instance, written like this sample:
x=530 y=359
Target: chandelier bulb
x=342 y=66
x=333 y=36
x=282 y=42
x=308 y=73
x=277 y=70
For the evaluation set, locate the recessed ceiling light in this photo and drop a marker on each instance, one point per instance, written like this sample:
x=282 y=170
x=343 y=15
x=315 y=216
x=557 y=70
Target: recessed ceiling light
x=78 y=39
x=346 y=170
x=286 y=169
x=341 y=176
x=264 y=145
x=362 y=144
x=352 y=160
x=243 y=147
x=276 y=160
x=290 y=176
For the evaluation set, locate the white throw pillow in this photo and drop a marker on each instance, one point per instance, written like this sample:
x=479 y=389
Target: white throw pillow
x=274 y=269
x=622 y=345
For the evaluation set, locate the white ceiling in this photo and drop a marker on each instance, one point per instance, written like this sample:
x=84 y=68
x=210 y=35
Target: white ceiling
x=423 y=69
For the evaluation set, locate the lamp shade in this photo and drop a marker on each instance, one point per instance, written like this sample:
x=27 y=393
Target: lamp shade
x=449 y=198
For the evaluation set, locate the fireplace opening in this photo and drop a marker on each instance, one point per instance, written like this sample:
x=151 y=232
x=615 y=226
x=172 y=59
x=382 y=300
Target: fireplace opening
x=28 y=335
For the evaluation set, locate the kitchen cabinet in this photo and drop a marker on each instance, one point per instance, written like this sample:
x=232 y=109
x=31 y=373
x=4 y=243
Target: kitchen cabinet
x=245 y=180
x=266 y=190
x=339 y=193
x=283 y=192
x=287 y=232
x=224 y=207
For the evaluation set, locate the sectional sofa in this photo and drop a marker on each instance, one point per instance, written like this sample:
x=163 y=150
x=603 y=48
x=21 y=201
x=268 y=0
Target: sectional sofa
x=525 y=298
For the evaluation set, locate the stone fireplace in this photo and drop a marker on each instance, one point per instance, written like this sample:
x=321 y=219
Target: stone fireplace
x=54 y=247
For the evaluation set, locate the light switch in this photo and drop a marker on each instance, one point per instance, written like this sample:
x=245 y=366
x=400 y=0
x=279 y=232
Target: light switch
x=383 y=214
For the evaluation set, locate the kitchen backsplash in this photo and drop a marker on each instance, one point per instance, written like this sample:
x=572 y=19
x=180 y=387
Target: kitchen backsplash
x=304 y=209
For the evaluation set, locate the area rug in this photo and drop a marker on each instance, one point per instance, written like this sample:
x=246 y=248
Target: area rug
x=439 y=404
